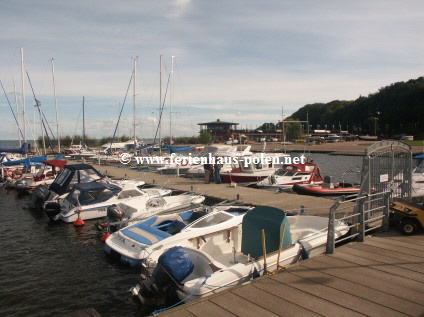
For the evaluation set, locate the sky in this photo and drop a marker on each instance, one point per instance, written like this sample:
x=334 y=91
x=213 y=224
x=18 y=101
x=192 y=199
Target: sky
x=241 y=60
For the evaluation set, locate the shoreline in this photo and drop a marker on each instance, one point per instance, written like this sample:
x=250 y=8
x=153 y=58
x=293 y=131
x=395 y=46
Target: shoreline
x=351 y=148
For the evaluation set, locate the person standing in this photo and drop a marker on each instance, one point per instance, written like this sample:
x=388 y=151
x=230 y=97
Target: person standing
x=208 y=170
x=216 y=172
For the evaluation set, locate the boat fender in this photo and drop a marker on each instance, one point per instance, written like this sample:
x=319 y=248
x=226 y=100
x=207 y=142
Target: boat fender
x=303 y=252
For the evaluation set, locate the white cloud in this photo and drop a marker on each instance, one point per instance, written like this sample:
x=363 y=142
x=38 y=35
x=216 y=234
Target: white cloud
x=235 y=60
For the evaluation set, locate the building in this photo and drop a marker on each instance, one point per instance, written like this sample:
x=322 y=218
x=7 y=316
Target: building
x=221 y=131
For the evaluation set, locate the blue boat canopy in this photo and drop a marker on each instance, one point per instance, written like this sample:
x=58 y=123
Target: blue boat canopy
x=22 y=150
x=27 y=162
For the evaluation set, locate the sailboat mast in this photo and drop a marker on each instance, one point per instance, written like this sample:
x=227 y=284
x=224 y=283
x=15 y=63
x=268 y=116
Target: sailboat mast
x=134 y=83
x=160 y=105
x=17 y=110
x=83 y=120
x=42 y=130
x=55 y=105
x=282 y=127
x=170 y=100
x=23 y=91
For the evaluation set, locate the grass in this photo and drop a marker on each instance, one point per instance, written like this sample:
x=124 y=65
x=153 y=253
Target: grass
x=415 y=143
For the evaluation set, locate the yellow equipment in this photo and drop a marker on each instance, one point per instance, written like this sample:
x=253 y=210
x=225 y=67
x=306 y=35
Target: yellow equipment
x=408 y=216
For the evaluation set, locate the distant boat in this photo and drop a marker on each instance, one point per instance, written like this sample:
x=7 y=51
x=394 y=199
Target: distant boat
x=291 y=174
x=368 y=137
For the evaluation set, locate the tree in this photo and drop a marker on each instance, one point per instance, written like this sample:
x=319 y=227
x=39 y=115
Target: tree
x=205 y=137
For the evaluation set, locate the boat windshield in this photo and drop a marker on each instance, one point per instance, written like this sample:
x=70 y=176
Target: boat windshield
x=88 y=197
x=420 y=167
x=212 y=220
x=62 y=177
x=285 y=173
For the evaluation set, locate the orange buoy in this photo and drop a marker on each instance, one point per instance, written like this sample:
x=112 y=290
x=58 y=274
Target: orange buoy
x=79 y=222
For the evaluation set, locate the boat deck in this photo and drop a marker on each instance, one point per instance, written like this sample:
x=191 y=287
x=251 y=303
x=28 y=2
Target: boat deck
x=384 y=276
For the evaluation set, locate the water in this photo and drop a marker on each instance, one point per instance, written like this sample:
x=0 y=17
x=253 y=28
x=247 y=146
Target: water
x=52 y=269
x=339 y=167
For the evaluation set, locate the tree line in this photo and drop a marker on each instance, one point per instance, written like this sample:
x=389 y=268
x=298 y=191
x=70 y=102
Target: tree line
x=393 y=110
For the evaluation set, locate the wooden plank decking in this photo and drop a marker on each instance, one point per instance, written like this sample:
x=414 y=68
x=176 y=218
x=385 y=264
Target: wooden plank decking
x=384 y=276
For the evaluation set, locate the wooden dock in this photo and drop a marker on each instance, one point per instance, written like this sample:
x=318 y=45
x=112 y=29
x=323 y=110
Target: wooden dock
x=252 y=196
x=384 y=276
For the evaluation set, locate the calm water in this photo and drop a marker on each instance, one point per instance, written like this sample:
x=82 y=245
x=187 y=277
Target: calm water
x=50 y=270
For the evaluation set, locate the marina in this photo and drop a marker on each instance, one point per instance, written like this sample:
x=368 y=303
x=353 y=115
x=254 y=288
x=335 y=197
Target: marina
x=323 y=284
x=205 y=158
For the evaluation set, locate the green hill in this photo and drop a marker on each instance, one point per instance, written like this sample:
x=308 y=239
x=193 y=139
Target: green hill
x=394 y=109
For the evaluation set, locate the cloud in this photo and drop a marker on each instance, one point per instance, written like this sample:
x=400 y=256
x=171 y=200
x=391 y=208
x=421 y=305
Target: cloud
x=236 y=60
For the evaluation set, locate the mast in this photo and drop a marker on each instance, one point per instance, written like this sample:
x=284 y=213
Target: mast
x=134 y=83
x=83 y=121
x=55 y=105
x=23 y=91
x=284 y=131
x=17 y=111
x=170 y=100
x=42 y=130
x=160 y=105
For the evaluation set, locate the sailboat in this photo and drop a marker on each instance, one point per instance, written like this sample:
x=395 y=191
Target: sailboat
x=81 y=151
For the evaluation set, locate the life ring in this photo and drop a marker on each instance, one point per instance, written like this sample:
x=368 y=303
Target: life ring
x=14 y=174
x=184 y=162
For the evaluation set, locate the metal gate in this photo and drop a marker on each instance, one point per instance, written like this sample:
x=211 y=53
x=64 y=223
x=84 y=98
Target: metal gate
x=386 y=174
x=387 y=167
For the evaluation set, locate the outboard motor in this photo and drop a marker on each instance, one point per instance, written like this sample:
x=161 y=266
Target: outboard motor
x=21 y=186
x=114 y=214
x=173 y=267
x=40 y=194
x=53 y=210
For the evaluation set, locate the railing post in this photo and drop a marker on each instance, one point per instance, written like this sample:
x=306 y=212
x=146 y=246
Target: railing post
x=361 y=235
x=331 y=241
x=386 y=212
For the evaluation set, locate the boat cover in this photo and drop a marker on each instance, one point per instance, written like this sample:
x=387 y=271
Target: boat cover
x=148 y=231
x=56 y=163
x=94 y=193
x=177 y=263
x=272 y=220
x=22 y=150
x=177 y=149
x=63 y=181
x=27 y=162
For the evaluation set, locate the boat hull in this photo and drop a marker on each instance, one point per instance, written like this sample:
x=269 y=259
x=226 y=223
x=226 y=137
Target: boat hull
x=320 y=191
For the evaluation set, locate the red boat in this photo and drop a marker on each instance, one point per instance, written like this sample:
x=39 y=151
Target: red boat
x=327 y=189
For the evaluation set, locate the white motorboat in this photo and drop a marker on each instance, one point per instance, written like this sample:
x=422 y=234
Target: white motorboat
x=45 y=176
x=291 y=174
x=91 y=200
x=67 y=177
x=134 y=243
x=252 y=169
x=223 y=259
x=223 y=151
x=130 y=212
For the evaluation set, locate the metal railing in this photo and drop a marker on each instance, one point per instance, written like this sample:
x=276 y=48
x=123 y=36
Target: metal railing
x=362 y=215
